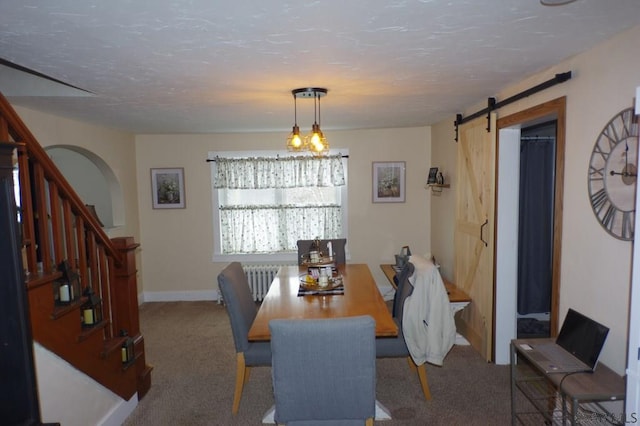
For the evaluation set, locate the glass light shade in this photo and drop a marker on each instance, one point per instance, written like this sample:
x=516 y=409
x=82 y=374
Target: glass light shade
x=316 y=142
x=294 y=141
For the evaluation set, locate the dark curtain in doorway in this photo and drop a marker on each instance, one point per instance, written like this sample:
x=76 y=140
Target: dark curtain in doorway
x=535 y=239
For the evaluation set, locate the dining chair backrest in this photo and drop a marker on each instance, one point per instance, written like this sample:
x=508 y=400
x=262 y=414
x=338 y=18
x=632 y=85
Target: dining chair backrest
x=242 y=310
x=403 y=290
x=338 y=245
x=397 y=347
x=241 y=307
x=324 y=370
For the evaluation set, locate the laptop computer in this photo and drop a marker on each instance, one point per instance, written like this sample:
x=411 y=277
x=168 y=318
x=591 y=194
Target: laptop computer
x=577 y=347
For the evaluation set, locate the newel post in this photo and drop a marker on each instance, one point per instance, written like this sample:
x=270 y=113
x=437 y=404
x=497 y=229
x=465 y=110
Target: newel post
x=18 y=388
x=126 y=309
x=126 y=314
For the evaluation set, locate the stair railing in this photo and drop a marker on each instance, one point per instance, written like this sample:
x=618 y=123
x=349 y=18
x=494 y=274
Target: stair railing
x=57 y=226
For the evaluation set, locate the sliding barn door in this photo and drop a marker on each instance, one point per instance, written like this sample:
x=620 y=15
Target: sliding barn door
x=474 y=231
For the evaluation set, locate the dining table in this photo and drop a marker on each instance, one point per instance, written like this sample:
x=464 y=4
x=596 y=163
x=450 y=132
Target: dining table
x=358 y=295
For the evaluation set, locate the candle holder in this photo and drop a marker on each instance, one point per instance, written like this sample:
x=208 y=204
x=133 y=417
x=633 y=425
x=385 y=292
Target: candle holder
x=62 y=292
x=91 y=309
x=67 y=289
x=127 y=349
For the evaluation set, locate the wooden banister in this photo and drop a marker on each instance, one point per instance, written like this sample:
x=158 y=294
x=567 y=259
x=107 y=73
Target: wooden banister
x=20 y=133
x=57 y=226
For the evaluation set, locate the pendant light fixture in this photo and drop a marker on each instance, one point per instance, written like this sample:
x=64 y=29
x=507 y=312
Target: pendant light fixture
x=315 y=141
x=294 y=141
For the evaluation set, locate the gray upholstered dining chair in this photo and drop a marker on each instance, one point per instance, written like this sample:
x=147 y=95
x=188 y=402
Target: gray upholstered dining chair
x=337 y=245
x=324 y=371
x=396 y=347
x=242 y=310
x=399 y=296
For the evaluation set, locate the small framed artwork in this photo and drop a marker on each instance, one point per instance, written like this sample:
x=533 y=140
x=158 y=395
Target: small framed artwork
x=388 y=181
x=433 y=176
x=167 y=188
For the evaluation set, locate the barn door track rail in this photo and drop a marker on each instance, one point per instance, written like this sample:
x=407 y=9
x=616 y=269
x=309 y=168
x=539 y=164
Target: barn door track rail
x=492 y=105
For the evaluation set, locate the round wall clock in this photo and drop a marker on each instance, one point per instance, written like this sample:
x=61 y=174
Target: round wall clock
x=613 y=172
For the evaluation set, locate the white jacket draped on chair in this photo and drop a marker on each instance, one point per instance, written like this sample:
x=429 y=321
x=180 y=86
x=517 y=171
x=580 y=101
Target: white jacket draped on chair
x=428 y=325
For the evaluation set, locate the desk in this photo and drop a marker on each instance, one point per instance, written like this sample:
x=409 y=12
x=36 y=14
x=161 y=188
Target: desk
x=458 y=299
x=361 y=297
x=556 y=399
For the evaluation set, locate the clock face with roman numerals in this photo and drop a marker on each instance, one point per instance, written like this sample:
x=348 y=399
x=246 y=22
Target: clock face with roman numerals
x=613 y=171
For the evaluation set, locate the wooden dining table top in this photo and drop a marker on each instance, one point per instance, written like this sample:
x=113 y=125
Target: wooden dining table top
x=361 y=297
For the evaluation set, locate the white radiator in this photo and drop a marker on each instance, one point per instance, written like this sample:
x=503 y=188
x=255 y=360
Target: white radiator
x=260 y=278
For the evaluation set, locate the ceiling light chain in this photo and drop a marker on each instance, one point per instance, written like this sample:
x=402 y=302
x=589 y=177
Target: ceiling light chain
x=315 y=141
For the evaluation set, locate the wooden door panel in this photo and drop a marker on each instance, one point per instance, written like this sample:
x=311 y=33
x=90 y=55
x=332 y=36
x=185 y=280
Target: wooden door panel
x=474 y=233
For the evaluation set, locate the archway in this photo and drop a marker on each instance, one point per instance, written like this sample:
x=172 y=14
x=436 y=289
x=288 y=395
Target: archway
x=93 y=180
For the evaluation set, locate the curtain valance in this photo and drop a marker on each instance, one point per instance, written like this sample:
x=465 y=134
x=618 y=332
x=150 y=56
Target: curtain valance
x=278 y=172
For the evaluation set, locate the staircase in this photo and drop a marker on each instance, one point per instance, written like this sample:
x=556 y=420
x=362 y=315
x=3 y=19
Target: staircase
x=55 y=226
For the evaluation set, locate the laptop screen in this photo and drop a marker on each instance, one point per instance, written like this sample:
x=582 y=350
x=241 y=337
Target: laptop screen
x=582 y=337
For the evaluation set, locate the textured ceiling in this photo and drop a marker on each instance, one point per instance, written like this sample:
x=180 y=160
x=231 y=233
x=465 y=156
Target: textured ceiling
x=203 y=66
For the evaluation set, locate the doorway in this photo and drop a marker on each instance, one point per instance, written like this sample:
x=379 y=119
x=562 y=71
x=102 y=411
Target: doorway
x=535 y=229
x=507 y=226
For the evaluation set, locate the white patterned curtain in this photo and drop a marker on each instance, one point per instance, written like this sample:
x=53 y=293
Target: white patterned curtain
x=254 y=226
x=279 y=172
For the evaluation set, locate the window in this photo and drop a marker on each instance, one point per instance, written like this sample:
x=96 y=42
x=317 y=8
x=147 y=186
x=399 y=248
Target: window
x=263 y=205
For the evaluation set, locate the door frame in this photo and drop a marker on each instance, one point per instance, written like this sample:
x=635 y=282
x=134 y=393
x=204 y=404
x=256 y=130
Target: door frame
x=554 y=109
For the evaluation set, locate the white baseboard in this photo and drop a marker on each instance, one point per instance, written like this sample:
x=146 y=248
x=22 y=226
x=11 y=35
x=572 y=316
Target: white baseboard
x=178 y=296
x=120 y=412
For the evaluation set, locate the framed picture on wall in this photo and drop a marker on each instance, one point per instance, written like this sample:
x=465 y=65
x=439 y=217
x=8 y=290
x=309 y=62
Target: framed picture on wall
x=388 y=182
x=167 y=188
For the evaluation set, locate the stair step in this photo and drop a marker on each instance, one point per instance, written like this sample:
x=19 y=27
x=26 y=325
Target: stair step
x=89 y=331
x=62 y=310
x=35 y=281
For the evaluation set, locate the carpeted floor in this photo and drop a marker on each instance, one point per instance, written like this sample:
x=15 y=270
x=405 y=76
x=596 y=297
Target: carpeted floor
x=190 y=346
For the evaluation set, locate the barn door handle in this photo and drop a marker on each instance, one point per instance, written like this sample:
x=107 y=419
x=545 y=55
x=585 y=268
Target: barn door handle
x=486 y=222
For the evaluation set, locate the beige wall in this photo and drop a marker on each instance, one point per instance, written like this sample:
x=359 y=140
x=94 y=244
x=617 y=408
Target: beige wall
x=116 y=148
x=443 y=156
x=596 y=268
x=177 y=244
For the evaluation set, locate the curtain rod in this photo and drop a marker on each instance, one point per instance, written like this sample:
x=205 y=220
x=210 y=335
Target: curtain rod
x=209 y=160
